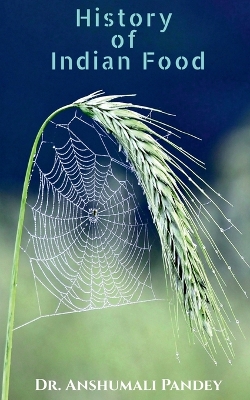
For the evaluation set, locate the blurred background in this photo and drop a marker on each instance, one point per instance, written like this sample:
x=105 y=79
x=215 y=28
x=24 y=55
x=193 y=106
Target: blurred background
x=134 y=342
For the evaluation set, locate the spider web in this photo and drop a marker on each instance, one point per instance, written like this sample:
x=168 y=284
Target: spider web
x=86 y=235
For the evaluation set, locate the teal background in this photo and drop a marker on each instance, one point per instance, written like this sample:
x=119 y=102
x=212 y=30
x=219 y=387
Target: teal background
x=207 y=103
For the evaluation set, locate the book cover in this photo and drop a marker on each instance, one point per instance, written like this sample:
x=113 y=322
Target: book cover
x=120 y=335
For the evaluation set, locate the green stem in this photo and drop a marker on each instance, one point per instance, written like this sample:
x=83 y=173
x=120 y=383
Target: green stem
x=13 y=284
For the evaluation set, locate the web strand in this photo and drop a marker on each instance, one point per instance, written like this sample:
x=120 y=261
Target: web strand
x=88 y=241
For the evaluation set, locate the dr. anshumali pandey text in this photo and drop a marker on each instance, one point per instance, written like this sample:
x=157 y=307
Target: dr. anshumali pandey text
x=105 y=385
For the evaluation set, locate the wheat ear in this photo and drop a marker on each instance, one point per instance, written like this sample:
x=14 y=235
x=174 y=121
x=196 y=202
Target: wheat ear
x=173 y=214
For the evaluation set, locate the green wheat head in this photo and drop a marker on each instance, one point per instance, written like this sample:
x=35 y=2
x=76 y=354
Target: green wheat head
x=171 y=205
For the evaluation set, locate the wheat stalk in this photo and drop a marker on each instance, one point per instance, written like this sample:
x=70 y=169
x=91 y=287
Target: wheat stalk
x=170 y=204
